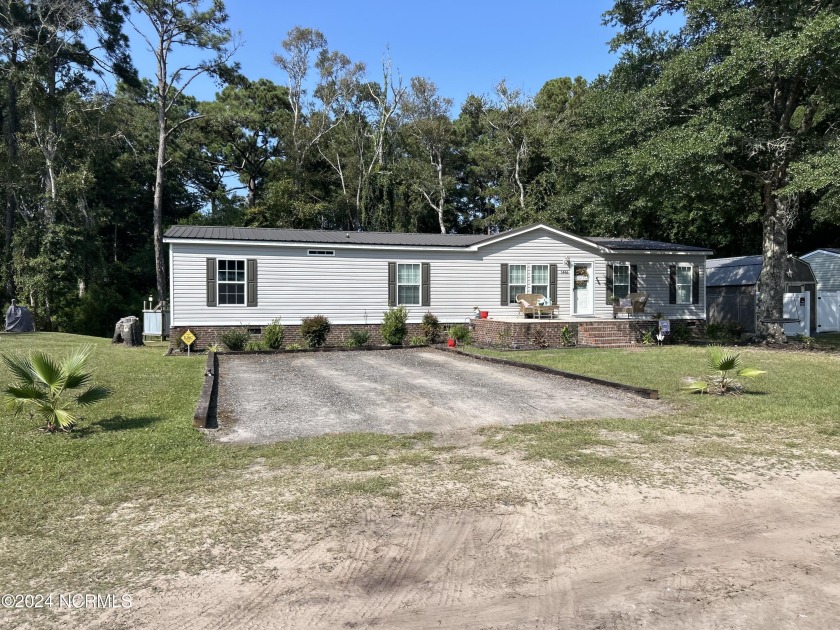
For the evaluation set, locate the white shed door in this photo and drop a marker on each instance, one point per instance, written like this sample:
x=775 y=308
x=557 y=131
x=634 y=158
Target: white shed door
x=798 y=306
x=828 y=311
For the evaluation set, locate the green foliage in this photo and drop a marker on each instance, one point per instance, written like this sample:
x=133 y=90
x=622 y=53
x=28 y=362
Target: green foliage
x=294 y=346
x=358 y=338
x=539 y=339
x=725 y=367
x=418 y=340
x=504 y=336
x=315 y=330
x=431 y=327
x=680 y=333
x=394 y=328
x=647 y=338
x=47 y=388
x=214 y=347
x=273 y=335
x=567 y=336
x=726 y=332
x=235 y=339
x=254 y=346
x=461 y=333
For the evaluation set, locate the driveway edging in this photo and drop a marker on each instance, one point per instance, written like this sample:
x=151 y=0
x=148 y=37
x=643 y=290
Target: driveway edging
x=202 y=409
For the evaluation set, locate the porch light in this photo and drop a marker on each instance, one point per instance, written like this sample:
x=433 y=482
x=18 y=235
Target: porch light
x=568 y=261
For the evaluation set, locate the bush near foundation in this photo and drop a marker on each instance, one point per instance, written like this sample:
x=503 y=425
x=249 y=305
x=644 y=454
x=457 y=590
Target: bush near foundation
x=315 y=330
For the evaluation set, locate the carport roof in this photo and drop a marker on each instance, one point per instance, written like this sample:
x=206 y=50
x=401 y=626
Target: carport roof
x=400 y=239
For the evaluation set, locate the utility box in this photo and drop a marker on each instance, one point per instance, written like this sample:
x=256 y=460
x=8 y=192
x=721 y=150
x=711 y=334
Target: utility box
x=155 y=320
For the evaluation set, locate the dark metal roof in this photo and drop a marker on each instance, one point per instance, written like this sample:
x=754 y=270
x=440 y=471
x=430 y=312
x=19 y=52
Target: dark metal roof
x=325 y=237
x=745 y=270
x=644 y=245
x=402 y=239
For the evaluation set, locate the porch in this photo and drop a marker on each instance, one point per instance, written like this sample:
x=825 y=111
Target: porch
x=585 y=332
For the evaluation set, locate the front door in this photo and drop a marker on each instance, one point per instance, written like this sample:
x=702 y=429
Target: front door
x=582 y=289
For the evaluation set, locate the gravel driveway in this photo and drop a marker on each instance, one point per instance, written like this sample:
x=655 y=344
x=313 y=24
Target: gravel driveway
x=265 y=398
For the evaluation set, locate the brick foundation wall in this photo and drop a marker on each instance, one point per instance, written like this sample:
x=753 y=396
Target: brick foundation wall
x=339 y=333
x=587 y=334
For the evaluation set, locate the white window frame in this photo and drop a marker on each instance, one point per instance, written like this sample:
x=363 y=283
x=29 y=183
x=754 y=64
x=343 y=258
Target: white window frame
x=244 y=282
x=511 y=293
x=547 y=284
x=418 y=284
x=677 y=285
x=614 y=266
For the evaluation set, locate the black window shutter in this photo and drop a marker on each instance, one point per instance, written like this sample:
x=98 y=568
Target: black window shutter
x=634 y=278
x=672 y=285
x=252 y=281
x=211 y=282
x=695 y=285
x=424 y=287
x=505 y=296
x=552 y=279
x=392 y=284
x=609 y=283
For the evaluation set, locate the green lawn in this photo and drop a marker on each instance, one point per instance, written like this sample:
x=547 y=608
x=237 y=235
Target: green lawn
x=135 y=459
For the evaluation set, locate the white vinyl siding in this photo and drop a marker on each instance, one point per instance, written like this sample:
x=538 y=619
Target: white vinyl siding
x=517 y=281
x=231 y=282
x=621 y=281
x=408 y=284
x=826 y=268
x=352 y=286
x=684 y=283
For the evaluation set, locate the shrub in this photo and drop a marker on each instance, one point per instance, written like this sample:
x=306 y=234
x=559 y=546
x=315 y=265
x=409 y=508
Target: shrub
x=504 y=336
x=567 y=336
x=235 y=339
x=48 y=388
x=315 y=331
x=680 y=333
x=273 y=335
x=358 y=338
x=540 y=340
x=294 y=346
x=460 y=333
x=214 y=347
x=393 y=326
x=253 y=345
x=648 y=338
x=418 y=340
x=727 y=332
x=431 y=327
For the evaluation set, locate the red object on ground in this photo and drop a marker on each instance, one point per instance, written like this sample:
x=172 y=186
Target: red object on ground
x=450 y=343
x=484 y=314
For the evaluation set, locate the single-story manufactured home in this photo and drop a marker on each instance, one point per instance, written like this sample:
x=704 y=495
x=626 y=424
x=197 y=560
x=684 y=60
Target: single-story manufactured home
x=732 y=284
x=825 y=263
x=222 y=277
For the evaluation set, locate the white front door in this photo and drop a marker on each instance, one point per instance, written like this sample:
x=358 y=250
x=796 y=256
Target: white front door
x=582 y=289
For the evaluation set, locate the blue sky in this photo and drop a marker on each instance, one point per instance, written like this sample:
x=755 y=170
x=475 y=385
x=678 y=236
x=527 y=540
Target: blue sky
x=464 y=46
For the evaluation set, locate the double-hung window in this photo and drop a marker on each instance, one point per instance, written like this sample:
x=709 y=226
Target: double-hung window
x=517 y=281
x=539 y=279
x=231 y=281
x=685 y=274
x=621 y=281
x=408 y=284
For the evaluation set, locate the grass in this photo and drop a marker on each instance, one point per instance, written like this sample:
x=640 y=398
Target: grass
x=136 y=491
x=830 y=341
x=795 y=401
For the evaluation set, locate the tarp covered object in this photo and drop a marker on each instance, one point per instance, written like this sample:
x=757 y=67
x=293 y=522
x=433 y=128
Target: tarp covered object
x=19 y=319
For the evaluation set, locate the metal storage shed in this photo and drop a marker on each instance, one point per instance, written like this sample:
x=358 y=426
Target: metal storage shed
x=732 y=283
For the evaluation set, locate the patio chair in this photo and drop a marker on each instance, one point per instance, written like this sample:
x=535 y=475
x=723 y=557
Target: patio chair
x=632 y=305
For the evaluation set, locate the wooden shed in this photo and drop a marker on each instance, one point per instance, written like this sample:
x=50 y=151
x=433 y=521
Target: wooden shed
x=732 y=284
x=825 y=263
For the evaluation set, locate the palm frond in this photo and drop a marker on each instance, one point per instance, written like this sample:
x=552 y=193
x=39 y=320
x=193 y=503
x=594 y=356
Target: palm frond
x=751 y=372
x=24 y=393
x=47 y=370
x=721 y=360
x=19 y=366
x=699 y=387
x=64 y=418
x=72 y=368
x=93 y=395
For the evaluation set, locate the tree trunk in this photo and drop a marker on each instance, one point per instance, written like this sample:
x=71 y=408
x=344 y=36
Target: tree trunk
x=771 y=282
x=11 y=174
x=160 y=263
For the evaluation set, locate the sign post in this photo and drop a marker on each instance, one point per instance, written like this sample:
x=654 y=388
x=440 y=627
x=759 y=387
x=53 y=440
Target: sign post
x=188 y=338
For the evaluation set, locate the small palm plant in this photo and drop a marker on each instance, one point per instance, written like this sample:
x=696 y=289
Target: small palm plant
x=725 y=369
x=49 y=389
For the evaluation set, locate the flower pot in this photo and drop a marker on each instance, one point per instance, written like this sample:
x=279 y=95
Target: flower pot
x=450 y=343
x=484 y=314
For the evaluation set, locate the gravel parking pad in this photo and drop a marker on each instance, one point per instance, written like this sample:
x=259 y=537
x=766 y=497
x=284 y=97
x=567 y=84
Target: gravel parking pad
x=265 y=398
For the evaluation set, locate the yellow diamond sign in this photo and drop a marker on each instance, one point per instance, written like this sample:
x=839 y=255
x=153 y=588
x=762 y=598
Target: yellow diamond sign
x=188 y=337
